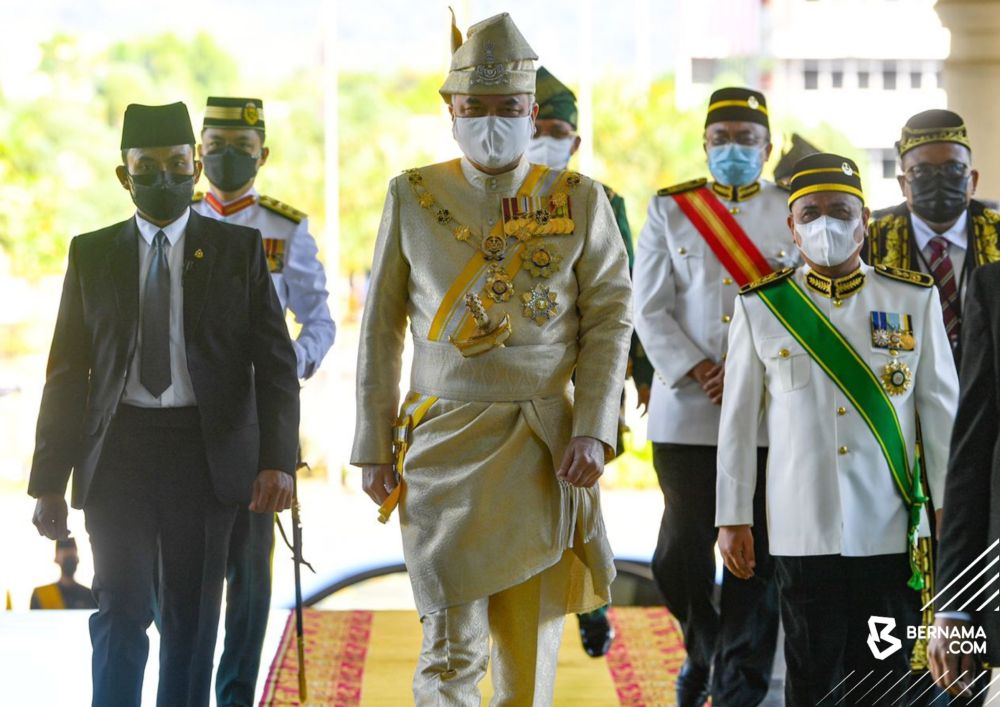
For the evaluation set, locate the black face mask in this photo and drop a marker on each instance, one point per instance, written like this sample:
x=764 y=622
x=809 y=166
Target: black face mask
x=230 y=168
x=938 y=198
x=69 y=566
x=163 y=195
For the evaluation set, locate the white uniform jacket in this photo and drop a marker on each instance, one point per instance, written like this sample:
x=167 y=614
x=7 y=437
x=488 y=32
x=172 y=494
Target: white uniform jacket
x=293 y=258
x=829 y=488
x=683 y=303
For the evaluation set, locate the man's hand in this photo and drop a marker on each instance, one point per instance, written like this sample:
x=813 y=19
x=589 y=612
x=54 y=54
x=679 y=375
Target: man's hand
x=946 y=666
x=50 y=516
x=710 y=377
x=378 y=481
x=583 y=462
x=736 y=546
x=272 y=491
x=642 y=392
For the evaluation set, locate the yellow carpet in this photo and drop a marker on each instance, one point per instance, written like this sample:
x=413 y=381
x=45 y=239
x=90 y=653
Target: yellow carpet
x=367 y=658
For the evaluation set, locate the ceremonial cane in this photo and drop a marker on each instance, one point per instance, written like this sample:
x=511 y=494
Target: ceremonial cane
x=297 y=561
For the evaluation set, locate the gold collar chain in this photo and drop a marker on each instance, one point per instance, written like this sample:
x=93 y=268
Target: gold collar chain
x=493 y=246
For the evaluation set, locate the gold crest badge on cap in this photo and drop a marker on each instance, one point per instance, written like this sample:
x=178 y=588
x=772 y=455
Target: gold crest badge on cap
x=753 y=103
x=250 y=113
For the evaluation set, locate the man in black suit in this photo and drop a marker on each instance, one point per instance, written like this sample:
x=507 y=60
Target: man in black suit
x=971 y=519
x=171 y=395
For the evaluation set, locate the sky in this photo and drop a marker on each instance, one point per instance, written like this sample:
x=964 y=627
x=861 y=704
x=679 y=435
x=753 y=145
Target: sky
x=275 y=38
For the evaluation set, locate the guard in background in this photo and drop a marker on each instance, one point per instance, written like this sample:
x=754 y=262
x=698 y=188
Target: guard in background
x=67 y=593
x=940 y=229
x=232 y=150
x=701 y=242
x=554 y=143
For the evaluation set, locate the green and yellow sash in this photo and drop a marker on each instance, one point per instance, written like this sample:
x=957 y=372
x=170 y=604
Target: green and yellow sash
x=856 y=380
x=452 y=319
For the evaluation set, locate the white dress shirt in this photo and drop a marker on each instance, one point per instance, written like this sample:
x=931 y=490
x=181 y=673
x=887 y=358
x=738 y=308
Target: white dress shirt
x=181 y=390
x=683 y=305
x=829 y=488
x=299 y=280
x=958 y=244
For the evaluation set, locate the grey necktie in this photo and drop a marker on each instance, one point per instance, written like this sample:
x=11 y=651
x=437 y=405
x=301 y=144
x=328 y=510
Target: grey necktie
x=154 y=369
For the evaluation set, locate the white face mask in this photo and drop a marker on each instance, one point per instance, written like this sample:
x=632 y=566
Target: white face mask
x=828 y=241
x=553 y=152
x=493 y=141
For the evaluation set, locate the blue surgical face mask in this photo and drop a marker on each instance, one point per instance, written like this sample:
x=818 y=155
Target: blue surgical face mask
x=735 y=165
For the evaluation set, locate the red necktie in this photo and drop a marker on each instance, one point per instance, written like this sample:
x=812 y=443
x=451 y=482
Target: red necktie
x=944 y=277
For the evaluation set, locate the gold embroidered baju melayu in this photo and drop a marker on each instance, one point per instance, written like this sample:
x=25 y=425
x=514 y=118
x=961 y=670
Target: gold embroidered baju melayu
x=479 y=436
x=510 y=282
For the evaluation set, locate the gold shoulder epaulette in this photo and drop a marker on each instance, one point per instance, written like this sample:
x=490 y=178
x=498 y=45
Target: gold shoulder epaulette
x=281 y=208
x=197 y=196
x=682 y=187
x=767 y=280
x=910 y=276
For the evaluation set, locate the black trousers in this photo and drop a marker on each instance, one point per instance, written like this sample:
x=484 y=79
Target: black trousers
x=152 y=501
x=248 y=603
x=740 y=636
x=826 y=604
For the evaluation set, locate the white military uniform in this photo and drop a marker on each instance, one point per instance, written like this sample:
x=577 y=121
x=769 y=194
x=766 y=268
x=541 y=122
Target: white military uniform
x=829 y=488
x=292 y=257
x=683 y=300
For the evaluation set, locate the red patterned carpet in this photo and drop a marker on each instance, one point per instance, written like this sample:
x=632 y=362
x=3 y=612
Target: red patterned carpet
x=366 y=658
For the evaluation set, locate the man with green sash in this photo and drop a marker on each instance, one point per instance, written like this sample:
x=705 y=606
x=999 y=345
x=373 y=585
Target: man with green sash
x=554 y=143
x=839 y=358
x=512 y=276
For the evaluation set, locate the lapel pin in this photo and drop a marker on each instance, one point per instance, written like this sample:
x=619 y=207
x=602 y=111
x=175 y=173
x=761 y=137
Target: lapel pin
x=199 y=254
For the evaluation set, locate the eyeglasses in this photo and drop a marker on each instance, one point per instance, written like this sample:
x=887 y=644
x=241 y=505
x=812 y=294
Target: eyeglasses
x=953 y=169
x=720 y=139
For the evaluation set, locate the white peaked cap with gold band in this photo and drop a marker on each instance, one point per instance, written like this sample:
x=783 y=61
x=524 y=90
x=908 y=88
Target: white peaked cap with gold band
x=495 y=60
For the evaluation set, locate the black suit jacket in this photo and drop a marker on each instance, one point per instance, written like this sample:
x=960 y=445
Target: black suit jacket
x=241 y=360
x=971 y=519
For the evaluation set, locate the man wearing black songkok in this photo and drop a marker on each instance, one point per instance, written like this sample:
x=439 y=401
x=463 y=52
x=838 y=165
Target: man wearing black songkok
x=171 y=396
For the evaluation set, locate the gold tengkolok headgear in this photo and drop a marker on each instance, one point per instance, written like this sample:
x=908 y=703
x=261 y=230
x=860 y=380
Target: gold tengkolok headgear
x=934 y=125
x=495 y=60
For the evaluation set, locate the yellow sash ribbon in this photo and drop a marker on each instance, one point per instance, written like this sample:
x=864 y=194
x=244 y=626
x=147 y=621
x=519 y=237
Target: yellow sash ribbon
x=452 y=319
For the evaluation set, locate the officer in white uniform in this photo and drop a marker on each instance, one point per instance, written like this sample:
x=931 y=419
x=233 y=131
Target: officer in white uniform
x=838 y=526
x=683 y=305
x=232 y=151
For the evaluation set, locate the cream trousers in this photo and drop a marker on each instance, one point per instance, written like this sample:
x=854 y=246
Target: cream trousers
x=525 y=624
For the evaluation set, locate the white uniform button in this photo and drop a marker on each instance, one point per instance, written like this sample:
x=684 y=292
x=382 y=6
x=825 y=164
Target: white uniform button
x=842 y=451
x=838 y=303
x=682 y=251
x=726 y=319
x=784 y=353
x=841 y=411
x=782 y=254
x=727 y=281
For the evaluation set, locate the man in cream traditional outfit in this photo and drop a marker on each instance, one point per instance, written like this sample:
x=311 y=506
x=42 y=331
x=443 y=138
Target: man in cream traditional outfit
x=840 y=358
x=512 y=275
